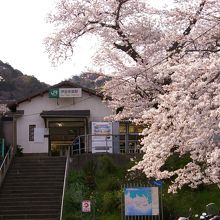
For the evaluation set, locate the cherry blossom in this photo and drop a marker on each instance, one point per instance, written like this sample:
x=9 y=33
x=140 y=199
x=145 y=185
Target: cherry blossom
x=165 y=69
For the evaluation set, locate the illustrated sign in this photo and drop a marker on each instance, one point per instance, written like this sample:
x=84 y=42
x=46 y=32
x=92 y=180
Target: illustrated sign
x=65 y=92
x=86 y=206
x=141 y=201
x=102 y=137
x=101 y=129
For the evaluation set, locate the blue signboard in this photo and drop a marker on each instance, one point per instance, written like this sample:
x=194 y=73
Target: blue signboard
x=157 y=183
x=141 y=201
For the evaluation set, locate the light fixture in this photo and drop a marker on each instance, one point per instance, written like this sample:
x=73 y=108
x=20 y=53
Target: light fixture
x=60 y=124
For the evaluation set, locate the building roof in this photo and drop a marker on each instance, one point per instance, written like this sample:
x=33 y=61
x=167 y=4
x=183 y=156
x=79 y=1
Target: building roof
x=63 y=84
x=65 y=113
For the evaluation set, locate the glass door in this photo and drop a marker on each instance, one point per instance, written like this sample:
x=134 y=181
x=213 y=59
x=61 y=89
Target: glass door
x=63 y=133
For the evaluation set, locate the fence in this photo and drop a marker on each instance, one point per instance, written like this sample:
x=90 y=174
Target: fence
x=6 y=163
x=105 y=143
x=64 y=183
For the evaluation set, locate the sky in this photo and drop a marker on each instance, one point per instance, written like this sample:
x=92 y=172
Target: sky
x=23 y=29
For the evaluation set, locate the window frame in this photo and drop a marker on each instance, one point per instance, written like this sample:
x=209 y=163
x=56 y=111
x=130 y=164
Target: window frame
x=31 y=132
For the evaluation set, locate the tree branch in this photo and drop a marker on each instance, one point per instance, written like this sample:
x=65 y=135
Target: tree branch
x=177 y=46
x=130 y=51
x=127 y=47
x=214 y=78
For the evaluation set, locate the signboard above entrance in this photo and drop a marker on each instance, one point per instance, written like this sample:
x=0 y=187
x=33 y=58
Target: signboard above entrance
x=65 y=92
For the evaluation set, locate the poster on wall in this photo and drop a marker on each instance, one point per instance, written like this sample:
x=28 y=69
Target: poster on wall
x=102 y=137
x=39 y=135
x=141 y=201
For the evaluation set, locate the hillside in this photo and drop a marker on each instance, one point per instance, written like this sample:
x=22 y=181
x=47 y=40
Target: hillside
x=15 y=85
x=91 y=80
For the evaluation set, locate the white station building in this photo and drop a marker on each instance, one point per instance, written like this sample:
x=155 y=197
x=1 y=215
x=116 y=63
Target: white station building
x=68 y=115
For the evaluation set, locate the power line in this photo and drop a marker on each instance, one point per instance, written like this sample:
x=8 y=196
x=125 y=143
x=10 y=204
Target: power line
x=130 y=77
x=59 y=107
x=165 y=58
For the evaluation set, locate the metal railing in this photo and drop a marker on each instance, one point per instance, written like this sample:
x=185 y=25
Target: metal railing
x=64 y=182
x=6 y=163
x=105 y=143
x=90 y=143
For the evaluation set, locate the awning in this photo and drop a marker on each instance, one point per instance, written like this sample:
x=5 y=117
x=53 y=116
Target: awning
x=65 y=114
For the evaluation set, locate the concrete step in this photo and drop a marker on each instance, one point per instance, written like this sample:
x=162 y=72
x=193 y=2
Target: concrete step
x=54 y=216
x=37 y=164
x=30 y=160
x=28 y=207
x=34 y=183
x=28 y=201
x=28 y=211
x=33 y=188
x=30 y=190
x=32 y=195
x=43 y=176
x=35 y=172
x=34 y=215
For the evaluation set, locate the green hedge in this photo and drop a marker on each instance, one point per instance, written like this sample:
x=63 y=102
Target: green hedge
x=102 y=181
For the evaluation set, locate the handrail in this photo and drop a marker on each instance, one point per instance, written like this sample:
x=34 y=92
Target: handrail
x=5 y=164
x=64 y=182
x=107 y=143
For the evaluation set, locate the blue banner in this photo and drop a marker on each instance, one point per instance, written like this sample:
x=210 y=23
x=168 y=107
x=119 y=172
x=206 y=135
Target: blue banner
x=141 y=201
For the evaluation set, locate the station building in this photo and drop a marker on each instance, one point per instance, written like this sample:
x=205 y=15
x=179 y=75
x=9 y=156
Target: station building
x=51 y=120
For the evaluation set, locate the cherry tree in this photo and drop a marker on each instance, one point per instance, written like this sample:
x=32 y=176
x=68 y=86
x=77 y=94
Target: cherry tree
x=165 y=75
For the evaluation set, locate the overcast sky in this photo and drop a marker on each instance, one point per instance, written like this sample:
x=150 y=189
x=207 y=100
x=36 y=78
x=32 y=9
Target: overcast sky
x=23 y=28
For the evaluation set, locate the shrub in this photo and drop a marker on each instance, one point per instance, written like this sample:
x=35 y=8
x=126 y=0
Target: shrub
x=19 y=151
x=107 y=165
x=89 y=171
x=110 y=183
x=111 y=201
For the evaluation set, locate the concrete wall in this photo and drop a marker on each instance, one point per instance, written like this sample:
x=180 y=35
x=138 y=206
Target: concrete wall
x=35 y=106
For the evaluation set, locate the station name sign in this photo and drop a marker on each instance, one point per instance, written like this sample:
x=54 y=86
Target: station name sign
x=65 y=92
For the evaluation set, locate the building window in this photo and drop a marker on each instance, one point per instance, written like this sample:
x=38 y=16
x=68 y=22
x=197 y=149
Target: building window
x=31 y=132
x=130 y=137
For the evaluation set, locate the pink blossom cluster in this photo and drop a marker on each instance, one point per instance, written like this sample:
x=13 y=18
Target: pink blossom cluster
x=165 y=67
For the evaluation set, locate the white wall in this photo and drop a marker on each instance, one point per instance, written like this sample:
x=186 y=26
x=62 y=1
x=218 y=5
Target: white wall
x=35 y=106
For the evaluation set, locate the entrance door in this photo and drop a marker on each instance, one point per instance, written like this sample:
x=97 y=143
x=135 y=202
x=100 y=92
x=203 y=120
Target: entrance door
x=63 y=133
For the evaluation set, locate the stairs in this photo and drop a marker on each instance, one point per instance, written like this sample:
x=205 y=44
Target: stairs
x=33 y=188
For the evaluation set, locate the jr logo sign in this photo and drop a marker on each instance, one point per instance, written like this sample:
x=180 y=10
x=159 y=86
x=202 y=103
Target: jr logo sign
x=54 y=93
x=65 y=92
